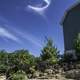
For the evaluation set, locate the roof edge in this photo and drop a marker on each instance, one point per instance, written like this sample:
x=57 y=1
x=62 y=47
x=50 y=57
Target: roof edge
x=67 y=10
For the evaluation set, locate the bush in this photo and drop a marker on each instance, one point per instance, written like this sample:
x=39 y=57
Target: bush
x=20 y=75
x=43 y=65
x=3 y=68
x=68 y=57
x=76 y=46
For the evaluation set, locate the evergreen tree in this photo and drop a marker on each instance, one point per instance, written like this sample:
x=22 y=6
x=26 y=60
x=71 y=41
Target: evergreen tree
x=49 y=52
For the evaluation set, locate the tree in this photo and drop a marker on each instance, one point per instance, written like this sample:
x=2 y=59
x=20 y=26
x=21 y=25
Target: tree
x=24 y=57
x=49 y=52
x=68 y=57
x=76 y=46
x=77 y=43
x=19 y=60
x=37 y=59
x=3 y=61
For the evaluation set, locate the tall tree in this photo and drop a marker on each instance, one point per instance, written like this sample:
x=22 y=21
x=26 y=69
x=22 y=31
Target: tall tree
x=50 y=52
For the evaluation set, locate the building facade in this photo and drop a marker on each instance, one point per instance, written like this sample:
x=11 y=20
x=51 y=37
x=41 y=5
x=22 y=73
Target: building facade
x=71 y=26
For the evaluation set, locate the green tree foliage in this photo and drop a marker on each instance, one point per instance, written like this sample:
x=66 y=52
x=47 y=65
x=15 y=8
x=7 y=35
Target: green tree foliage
x=19 y=75
x=22 y=60
x=19 y=58
x=37 y=59
x=76 y=45
x=3 y=61
x=24 y=57
x=49 y=52
x=68 y=57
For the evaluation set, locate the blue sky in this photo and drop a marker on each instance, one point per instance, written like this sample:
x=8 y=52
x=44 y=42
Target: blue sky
x=24 y=28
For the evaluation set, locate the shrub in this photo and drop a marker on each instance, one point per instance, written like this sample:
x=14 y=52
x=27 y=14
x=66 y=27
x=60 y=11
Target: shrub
x=20 y=75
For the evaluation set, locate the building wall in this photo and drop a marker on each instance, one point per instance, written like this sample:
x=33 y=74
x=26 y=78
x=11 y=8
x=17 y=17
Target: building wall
x=71 y=27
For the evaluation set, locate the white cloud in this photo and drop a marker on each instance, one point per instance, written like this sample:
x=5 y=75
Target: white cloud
x=30 y=38
x=40 y=10
x=6 y=34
